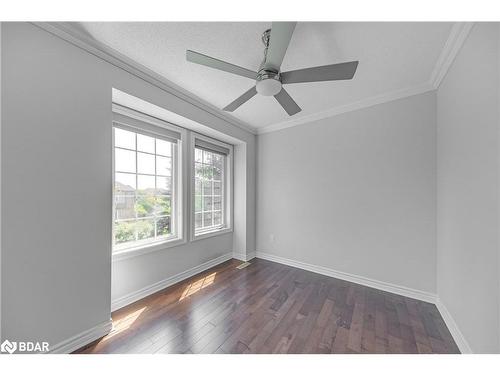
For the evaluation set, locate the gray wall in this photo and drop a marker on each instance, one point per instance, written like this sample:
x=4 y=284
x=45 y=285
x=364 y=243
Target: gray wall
x=132 y=274
x=354 y=191
x=346 y=193
x=467 y=194
x=56 y=188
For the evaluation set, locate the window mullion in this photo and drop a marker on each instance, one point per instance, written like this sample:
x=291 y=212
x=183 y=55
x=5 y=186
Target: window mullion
x=136 y=235
x=173 y=190
x=155 y=221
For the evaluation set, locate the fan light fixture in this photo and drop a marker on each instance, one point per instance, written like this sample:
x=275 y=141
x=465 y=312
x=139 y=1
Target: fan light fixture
x=269 y=78
x=268 y=84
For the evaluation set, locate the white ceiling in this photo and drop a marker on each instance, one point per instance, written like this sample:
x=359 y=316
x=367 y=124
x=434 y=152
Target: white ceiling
x=392 y=56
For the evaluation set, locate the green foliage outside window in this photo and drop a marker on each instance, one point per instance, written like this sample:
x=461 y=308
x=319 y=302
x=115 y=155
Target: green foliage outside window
x=154 y=207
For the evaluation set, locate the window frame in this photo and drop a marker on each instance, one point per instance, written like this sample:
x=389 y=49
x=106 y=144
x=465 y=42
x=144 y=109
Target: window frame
x=152 y=127
x=227 y=186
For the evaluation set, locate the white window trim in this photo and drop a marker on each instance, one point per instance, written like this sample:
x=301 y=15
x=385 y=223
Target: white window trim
x=147 y=248
x=228 y=190
x=179 y=191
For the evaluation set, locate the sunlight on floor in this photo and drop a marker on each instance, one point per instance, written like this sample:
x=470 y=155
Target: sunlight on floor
x=124 y=323
x=198 y=285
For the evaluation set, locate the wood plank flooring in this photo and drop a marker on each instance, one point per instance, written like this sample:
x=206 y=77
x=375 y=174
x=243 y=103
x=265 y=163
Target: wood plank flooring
x=272 y=308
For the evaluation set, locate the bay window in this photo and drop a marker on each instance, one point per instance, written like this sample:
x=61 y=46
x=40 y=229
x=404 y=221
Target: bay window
x=149 y=194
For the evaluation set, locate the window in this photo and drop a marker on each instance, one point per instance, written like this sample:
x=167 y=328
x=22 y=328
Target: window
x=145 y=170
x=149 y=194
x=211 y=186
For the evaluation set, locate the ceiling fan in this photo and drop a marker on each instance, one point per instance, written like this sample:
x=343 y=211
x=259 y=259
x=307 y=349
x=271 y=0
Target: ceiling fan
x=269 y=79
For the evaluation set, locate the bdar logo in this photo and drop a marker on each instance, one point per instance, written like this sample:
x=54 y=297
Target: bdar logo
x=8 y=347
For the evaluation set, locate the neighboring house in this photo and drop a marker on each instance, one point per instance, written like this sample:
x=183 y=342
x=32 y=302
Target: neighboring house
x=124 y=201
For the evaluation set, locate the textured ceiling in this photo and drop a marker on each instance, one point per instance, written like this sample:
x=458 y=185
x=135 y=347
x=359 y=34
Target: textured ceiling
x=392 y=56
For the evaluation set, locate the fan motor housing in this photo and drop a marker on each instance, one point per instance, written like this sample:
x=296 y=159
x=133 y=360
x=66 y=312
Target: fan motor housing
x=268 y=83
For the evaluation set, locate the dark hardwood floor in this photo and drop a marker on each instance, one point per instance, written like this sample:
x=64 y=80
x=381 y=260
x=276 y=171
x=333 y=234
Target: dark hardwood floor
x=272 y=308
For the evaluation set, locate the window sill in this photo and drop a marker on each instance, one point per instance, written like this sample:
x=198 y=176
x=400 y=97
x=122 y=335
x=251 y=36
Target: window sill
x=146 y=249
x=213 y=233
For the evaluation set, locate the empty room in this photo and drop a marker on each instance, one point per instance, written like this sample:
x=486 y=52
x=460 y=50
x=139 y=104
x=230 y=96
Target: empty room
x=283 y=186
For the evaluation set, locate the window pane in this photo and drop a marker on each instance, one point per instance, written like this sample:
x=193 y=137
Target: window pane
x=145 y=205
x=207 y=187
x=218 y=161
x=163 y=206
x=197 y=186
x=207 y=157
x=163 y=226
x=145 y=163
x=145 y=143
x=163 y=147
x=124 y=160
x=124 y=207
x=206 y=172
x=124 y=139
x=124 y=183
x=217 y=218
x=197 y=203
x=217 y=174
x=207 y=219
x=145 y=184
x=163 y=166
x=143 y=187
x=217 y=203
x=197 y=221
x=198 y=170
x=207 y=203
x=124 y=231
x=164 y=185
x=217 y=188
x=198 y=155
x=145 y=229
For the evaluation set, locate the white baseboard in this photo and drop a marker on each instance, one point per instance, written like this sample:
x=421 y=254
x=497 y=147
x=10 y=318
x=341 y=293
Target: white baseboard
x=459 y=338
x=82 y=339
x=244 y=257
x=382 y=285
x=120 y=302
x=240 y=256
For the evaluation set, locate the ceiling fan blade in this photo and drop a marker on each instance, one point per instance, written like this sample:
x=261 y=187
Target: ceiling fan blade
x=211 y=62
x=281 y=33
x=241 y=100
x=287 y=102
x=334 y=72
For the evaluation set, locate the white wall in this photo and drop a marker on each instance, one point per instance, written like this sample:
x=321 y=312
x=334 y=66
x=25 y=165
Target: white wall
x=354 y=193
x=467 y=194
x=56 y=188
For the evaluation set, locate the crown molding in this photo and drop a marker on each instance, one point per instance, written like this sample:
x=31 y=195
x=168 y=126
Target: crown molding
x=454 y=43
x=364 y=103
x=100 y=50
x=457 y=37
